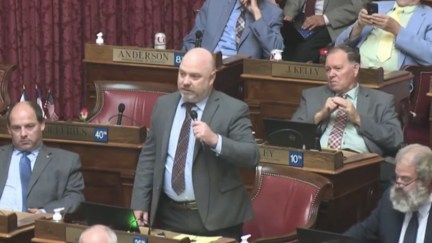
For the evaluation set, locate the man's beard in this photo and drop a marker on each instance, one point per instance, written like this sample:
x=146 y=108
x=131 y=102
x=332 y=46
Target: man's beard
x=409 y=201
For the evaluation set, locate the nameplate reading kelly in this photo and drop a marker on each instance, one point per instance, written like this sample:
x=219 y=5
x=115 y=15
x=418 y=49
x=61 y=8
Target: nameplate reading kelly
x=300 y=71
x=147 y=56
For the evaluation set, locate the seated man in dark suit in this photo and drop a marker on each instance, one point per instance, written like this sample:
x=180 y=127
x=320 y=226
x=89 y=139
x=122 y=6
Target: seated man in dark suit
x=399 y=34
x=218 y=21
x=352 y=117
x=403 y=213
x=324 y=20
x=36 y=178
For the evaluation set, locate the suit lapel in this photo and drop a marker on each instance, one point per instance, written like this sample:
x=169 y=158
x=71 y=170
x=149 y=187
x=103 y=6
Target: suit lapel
x=5 y=158
x=209 y=111
x=170 y=108
x=414 y=25
x=43 y=159
x=224 y=13
x=428 y=233
x=362 y=101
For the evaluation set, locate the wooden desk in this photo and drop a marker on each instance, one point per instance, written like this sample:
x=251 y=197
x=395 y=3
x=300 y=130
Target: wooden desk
x=354 y=194
x=279 y=97
x=99 y=65
x=48 y=231
x=17 y=227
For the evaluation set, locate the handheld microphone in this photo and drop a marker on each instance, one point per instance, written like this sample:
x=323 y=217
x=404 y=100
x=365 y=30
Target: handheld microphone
x=194 y=115
x=121 y=108
x=198 y=38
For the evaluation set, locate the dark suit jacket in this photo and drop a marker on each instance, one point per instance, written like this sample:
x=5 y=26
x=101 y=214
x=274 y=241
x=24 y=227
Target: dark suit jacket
x=340 y=13
x=56 y=180
x=258 y=39
x=384 y=224
x=380 y=126
x=219 y=192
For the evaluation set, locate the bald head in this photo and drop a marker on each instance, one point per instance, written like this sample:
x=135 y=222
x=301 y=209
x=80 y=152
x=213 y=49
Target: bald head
x=200 y=56
x=197 y=73
x=98 y=234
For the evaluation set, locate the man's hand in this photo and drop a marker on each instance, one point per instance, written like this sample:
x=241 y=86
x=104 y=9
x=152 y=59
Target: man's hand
x=35 y=210
x=141 y=217
x=313 y=22
x=252 y=7
x=386 y=23
x=326 y=110
x=288 y=18
x=204 y=134
x=347 y=106
x=364 y=18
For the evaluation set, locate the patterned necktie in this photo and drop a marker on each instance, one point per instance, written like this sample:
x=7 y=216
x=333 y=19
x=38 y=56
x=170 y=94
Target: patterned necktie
x=240 y=26
x=25 y=174
x=178 y=173
x=336 y=134
x=386 y=41
x=411 y=231
x=310 y=8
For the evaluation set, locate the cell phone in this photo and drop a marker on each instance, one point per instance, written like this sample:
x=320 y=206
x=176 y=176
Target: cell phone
x=372 y=8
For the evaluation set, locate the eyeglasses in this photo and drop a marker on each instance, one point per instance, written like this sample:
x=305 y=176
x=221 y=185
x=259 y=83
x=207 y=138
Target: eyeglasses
x=403 y=181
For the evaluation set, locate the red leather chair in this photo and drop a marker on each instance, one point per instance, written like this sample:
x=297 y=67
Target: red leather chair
x=5 y=74
x=138 y=98
x=284 y=199
x=416 y=130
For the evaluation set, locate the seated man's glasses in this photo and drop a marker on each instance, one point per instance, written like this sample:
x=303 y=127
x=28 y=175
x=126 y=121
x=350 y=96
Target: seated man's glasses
x=403 y=181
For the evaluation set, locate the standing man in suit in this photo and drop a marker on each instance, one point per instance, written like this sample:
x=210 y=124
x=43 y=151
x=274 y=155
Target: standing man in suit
x=403 y=213
x=411 y=32
x=368 y=117
x=33 y=177
x=211 y=199
x=325 y=19
x=218 y=21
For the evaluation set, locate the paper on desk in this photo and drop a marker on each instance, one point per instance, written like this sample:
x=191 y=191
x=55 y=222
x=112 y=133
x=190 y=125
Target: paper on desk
x=198 y=239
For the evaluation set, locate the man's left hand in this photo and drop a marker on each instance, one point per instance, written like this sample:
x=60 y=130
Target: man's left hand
x=386 y=23
x=313 y=22
x=347 y=106
x=35 y=210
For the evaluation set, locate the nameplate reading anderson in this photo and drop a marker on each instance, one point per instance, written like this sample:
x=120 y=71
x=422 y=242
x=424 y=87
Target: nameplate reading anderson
x=147 y=56
x=301 y=71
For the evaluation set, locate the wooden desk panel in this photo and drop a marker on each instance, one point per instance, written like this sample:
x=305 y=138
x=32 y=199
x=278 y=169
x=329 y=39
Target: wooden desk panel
x=101 y=67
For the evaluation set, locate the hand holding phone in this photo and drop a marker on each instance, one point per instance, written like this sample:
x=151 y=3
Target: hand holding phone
x=372 y=8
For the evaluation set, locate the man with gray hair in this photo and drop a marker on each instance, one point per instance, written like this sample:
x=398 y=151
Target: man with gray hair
x=403 y=212
x=98 y=234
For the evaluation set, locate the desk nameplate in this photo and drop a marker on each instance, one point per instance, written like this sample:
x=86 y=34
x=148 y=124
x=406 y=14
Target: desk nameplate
x=298 y=70
x=322 y=160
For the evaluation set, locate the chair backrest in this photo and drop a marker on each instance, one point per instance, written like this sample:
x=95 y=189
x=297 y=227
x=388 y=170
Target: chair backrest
x=5 y=74
x=284 y=199
x=138 y=98
x=419 y=101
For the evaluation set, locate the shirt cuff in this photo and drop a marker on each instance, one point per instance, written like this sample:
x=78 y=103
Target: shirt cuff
x=326 y=20
x=218 y=148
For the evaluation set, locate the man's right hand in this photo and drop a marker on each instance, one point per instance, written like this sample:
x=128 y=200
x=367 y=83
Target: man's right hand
x=141 y=217
x=288 y=18
x=364 y=18
x=326 y=110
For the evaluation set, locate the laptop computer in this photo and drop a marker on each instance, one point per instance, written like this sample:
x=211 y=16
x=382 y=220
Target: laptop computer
x=292 y=134
x=117 y=218
x=317 y=236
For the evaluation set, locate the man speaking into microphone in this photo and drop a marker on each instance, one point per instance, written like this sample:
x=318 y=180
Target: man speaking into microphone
x=245 y=27
x=179 y=185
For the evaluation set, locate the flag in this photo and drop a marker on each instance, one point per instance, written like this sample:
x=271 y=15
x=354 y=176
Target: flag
x=39 y=100
x=50 y=108
x=24 y=96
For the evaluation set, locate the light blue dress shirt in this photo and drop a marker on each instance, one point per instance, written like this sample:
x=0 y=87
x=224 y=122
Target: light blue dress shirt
x=227 y=43
x=11 y=198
